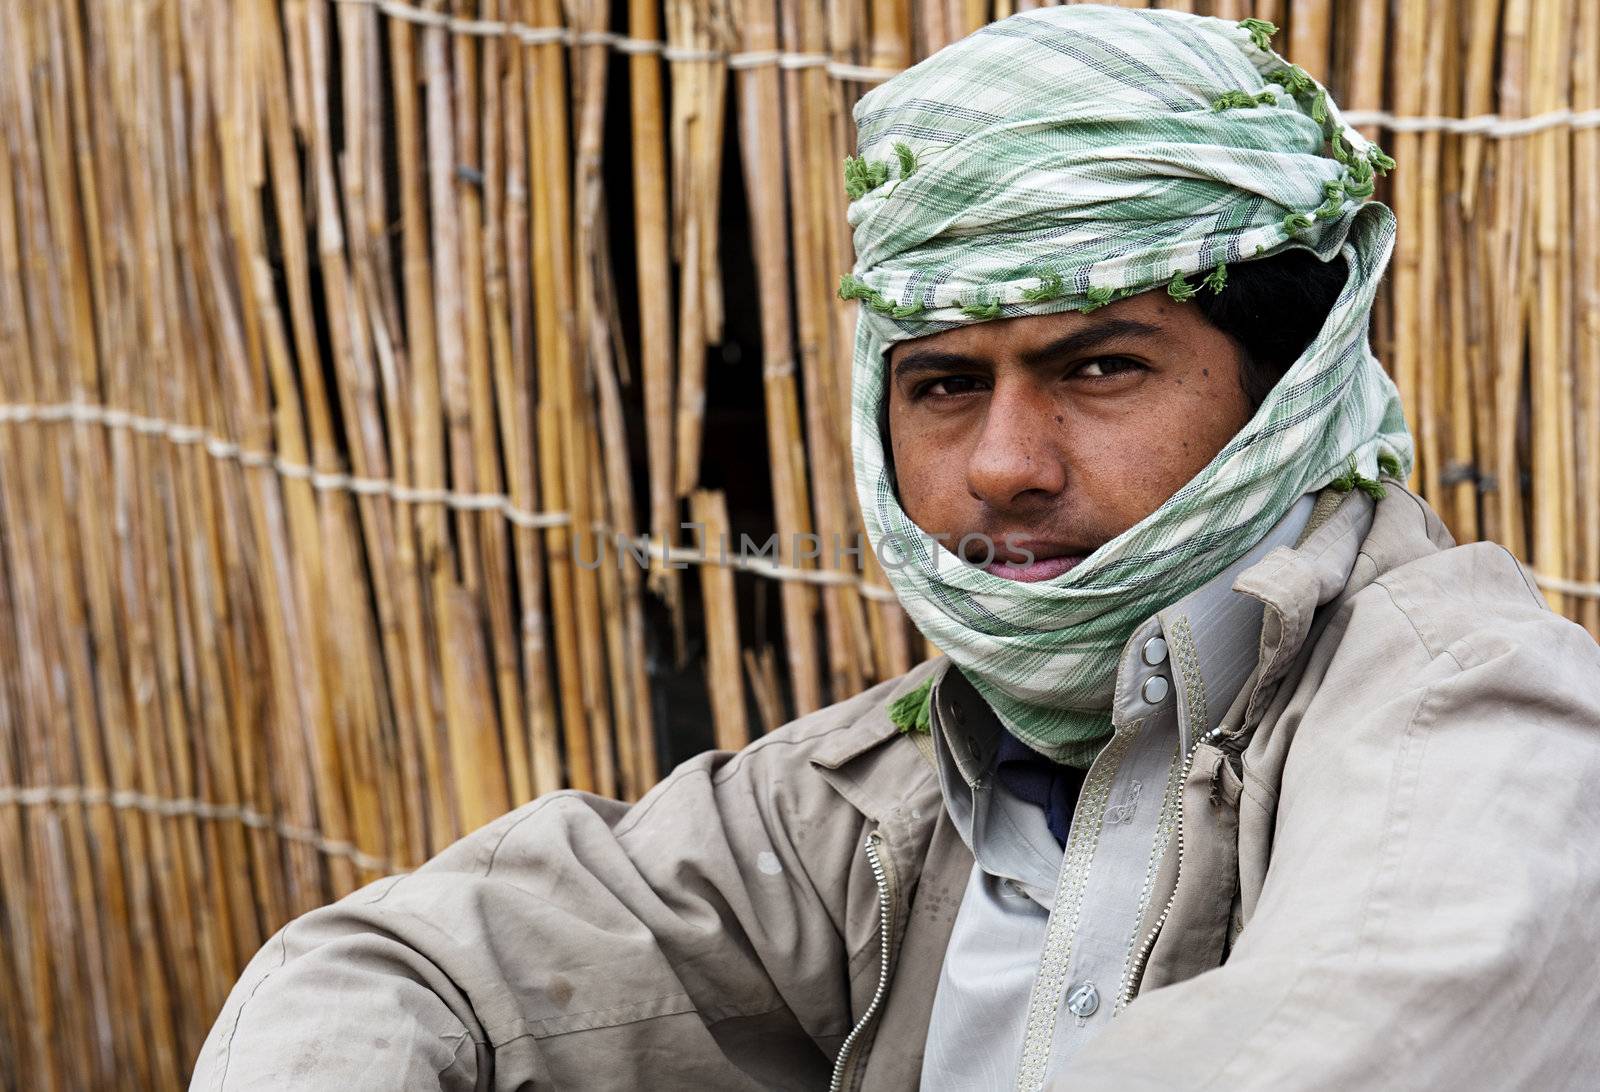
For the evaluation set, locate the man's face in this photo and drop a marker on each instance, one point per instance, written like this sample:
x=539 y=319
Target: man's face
x=1061 y=431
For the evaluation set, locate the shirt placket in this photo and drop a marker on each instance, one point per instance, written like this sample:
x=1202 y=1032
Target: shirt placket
x=1108 y=865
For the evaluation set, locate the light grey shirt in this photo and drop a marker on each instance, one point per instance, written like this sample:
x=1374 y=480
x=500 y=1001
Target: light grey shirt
x=1045 y=942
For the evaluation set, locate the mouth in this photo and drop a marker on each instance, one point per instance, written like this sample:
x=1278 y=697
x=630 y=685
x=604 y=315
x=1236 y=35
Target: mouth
x=1028 y=562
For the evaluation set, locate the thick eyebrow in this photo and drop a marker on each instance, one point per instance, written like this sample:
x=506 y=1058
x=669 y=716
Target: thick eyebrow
x=1088 y=338
x=931 y=361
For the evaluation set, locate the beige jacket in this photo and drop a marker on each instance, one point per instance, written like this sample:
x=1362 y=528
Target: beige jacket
x=1393 y=852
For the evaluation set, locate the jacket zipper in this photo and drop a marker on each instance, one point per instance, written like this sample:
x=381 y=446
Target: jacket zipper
x=885 y=924
x=1136 y=971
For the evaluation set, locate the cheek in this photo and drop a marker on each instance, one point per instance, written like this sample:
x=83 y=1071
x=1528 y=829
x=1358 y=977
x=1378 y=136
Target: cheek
x=1129 y=466
x=1214 y=405
x=1124 y=468
x=930 y=479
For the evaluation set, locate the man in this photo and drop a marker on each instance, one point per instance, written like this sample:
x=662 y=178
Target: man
x=1237 y=774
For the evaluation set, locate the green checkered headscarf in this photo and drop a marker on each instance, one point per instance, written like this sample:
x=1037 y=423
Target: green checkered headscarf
x=1058 y=160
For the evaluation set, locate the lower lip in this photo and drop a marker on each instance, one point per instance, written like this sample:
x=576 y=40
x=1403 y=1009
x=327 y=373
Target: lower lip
x=1045 y=568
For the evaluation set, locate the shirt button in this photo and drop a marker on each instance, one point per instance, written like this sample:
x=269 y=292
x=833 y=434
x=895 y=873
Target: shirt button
x=1083 y=1000
x=1155 y=689
x=1155 y=651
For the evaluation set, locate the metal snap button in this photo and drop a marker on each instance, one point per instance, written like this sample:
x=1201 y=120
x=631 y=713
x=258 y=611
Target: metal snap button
x=1155 y=689
x=1155 y=651
x=1083 y=1000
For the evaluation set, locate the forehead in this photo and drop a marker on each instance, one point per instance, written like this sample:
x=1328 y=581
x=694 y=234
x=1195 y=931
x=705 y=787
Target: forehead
x=1160 y=316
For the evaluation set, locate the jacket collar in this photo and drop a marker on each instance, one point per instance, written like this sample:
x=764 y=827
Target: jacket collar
x=1209 y=642
x=1208 y=649
x=864 y=767
x=1291 y=583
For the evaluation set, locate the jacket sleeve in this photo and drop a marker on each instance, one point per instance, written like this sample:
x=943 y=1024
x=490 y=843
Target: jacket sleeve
x=1428 y=918
x=575 y=942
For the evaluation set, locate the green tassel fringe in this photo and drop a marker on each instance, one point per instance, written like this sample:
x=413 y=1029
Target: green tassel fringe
x=860 y=176
x=1051 y=287
x=983 y=309
x=1352 y=479
x=1098 y=298
x=854 y=288
x=910 y=711
x=907 y=158
x=1294 y=79
x=1243 y=100
x=1261 y=32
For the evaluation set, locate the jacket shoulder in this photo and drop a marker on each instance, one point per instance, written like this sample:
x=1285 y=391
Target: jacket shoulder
x=1471 y=601
x=1461 y=602
x=851 y=748
x=774 y=772
x=821 y=729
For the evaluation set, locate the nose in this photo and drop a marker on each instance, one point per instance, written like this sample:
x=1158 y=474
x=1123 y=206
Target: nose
x=1016 y=459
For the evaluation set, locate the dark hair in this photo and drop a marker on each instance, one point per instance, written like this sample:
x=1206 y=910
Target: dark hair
x=1273 y=307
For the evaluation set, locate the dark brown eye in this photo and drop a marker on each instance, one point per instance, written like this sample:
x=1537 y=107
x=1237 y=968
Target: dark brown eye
x=949 y=385
x=1106 y=366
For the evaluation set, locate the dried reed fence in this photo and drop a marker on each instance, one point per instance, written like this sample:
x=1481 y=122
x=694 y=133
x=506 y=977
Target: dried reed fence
x=317 y=389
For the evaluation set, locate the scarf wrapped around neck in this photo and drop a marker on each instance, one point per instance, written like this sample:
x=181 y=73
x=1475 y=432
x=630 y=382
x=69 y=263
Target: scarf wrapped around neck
x=1062 y=159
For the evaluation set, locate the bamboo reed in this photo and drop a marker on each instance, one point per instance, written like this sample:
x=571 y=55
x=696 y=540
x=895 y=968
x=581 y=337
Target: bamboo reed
x=805 y=102
x=764 y=182
x=654 y=293
x=552 y=266
x=1586 y=308
x=1549 y=346
x=761 y=669
x=710 y=514
x=514 y=397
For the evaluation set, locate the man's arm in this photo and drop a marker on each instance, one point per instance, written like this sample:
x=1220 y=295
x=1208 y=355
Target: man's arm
x=576 y=942
x=1429 y=917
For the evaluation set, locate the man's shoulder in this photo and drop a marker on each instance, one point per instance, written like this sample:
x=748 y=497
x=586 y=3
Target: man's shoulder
x=850 y=748
x=1451 y=592
x=1468 y=604
x=833 y=735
